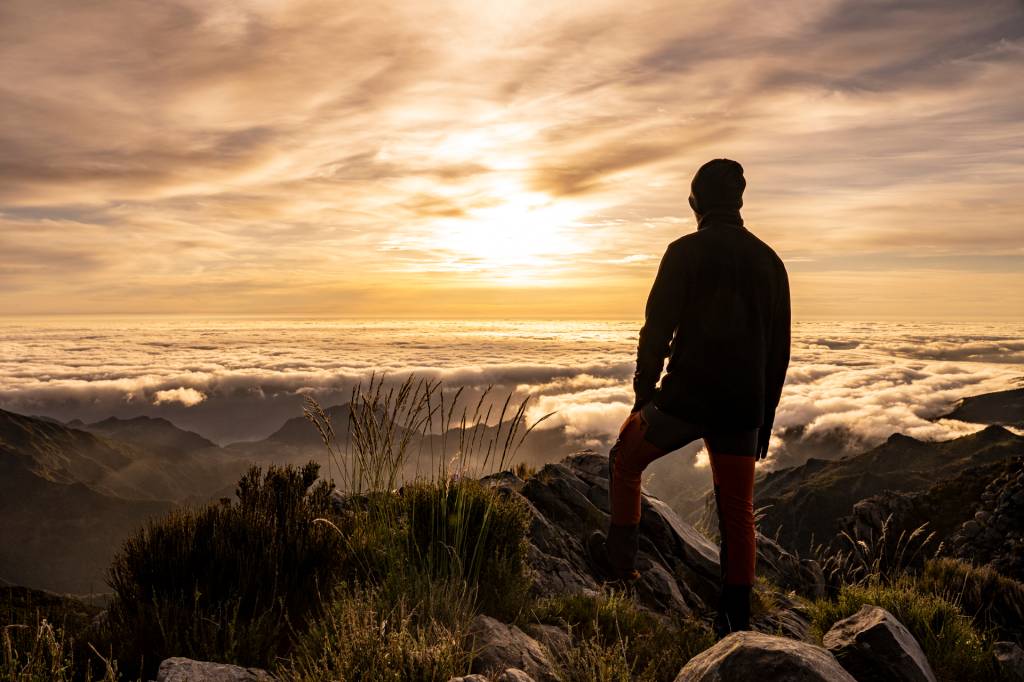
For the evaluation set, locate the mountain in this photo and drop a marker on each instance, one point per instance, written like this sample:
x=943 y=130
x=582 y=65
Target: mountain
x=69 y=498
x=154 y=434
x=804 y=505
x=61 y=536
x=1001 y=407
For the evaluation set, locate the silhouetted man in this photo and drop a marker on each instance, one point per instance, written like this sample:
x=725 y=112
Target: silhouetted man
x=719 y=311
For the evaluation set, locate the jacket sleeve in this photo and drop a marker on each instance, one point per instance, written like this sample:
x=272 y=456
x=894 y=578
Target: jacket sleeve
x=660 y=321
x=778 y=350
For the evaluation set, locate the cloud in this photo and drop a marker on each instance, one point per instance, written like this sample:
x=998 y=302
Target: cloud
x=188 y=397
x=850 y=385
x=181 y=156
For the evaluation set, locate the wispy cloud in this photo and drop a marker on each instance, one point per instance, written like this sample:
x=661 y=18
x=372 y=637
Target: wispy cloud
x=308 y=156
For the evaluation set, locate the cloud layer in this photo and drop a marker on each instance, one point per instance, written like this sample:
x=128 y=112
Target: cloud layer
x=453 y=158
x=853 y=383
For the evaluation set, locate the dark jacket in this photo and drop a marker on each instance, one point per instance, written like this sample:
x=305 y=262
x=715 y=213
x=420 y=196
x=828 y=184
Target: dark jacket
x=719 y=310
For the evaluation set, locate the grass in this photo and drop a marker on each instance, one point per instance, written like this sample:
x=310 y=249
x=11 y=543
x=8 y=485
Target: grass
x=366 y=634
x=45 y=653
x=994 y=601
x=614 y=639
x=953 y=645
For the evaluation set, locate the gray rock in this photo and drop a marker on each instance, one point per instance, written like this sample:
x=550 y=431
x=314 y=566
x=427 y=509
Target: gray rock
x=469 y=678
x=513 y=675
x=872 y=645
x=745 y=656
x=186 y=670
x=553 y=637
x=678 y=565
x=498 y=646
x=1010 y=659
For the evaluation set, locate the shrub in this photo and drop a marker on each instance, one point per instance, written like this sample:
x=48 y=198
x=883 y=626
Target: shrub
x=465 y=530
x=616 y=639
x=992 y=599
x=227 y=582
x=955 y=649
x=367 y=635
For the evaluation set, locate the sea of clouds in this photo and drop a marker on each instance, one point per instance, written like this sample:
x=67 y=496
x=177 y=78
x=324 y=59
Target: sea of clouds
x=850 y=384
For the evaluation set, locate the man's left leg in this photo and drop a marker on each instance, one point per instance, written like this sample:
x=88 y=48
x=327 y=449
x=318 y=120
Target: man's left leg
x=734 y=493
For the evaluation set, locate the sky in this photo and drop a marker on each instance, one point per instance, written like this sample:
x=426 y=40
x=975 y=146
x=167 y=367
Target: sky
x=503 y=159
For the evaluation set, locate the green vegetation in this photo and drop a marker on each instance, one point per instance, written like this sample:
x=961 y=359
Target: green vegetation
x=44 y=653
x=991 y=599
x=367 y=634
x=614 y=639
x=953 y=645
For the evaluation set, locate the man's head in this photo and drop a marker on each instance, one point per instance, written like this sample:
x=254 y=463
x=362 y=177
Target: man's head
x=718 y=185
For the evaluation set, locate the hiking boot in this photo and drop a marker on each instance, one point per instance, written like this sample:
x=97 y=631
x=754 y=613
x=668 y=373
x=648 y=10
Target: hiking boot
x=733 y=610
x=614 y=554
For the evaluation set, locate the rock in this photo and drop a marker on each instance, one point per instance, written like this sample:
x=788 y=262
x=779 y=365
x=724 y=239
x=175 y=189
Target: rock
x=872 y=645
x=551 y=636
x=679 y=567
x=513 y=675
x=187 y=670
x=469 y=678
x=1010 y=659
x=498 y=646
x=744 y=656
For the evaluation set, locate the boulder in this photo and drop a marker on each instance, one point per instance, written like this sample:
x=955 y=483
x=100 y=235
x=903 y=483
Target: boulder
x=744 y=656
x=498 y=646
x=469 y=678
x=872 y=645
x=186 y=670
x=1010 y=659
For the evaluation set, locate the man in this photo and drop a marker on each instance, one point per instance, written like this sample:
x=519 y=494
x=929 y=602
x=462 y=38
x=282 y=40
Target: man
x=719 y=310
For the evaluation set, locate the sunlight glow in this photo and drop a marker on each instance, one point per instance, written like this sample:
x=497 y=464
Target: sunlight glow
x=524 y=236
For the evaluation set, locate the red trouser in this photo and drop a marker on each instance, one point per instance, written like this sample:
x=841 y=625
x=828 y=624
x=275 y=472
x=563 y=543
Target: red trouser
x=732 y=465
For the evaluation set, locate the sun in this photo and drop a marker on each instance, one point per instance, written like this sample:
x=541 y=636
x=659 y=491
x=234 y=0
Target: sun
x=521 y=236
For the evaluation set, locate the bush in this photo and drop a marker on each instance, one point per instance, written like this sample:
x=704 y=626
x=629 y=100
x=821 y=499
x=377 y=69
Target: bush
x=366 y=635
x=955 y=649
x=228 y=582
x=993 y=600
x=614 y=639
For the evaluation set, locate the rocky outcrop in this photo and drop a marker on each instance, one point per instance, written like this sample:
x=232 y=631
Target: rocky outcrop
x=744 y=656
x=994 y=534
x=679 y=567
x=497 y=647
x=809 y=504
x=873 y=646
x=187 y=670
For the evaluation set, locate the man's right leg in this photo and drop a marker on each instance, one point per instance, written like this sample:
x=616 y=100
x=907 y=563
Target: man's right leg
x=645 y=436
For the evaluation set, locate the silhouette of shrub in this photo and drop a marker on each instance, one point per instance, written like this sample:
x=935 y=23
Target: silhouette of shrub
x=228 y=582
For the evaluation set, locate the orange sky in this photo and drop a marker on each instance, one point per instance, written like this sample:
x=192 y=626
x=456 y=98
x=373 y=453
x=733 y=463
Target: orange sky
x=512 y=159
